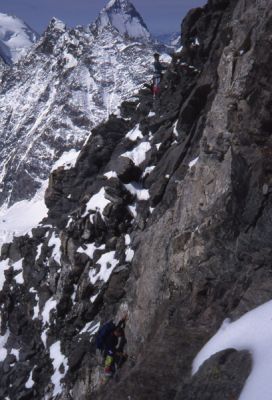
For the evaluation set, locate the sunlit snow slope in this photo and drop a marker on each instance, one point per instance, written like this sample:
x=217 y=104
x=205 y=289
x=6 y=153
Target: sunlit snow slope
x=252 y=332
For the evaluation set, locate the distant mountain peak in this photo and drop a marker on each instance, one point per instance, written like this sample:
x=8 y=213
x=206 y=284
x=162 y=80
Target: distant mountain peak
x=118 y=3
x=123 y=16
x=15 y=38
x=171 y=39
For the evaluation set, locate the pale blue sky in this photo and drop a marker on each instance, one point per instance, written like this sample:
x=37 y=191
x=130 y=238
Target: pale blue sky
x=161 y=16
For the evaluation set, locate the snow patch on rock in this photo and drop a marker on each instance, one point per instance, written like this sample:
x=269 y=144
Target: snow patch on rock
x=29 y=384
x=97 y=202
x=193 y=162
x=134 y=134
x=111 y=174
x=3 y=342
x=138 y=154
x=107 y=264
x=90 y=249
x=50 y=305
x=91 y=327
x=148 y=170
x=136 y=190
x=67 y=160
x=4 y=265
x=59 y=360
x=55 y=242
x=252 y=332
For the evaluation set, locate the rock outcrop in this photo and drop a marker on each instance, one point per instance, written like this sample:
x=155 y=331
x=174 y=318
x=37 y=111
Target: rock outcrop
x=165 y=215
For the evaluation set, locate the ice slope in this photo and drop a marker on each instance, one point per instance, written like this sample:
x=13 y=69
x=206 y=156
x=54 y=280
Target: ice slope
x=15 y=38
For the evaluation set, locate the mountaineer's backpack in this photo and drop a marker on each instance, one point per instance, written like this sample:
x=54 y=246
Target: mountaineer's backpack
x=103 y=333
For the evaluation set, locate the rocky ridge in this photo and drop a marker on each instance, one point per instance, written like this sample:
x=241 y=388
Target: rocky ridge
x=165 y=215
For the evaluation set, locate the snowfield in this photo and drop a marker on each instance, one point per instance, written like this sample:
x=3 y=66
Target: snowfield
x=251 y=332
x=19 y=219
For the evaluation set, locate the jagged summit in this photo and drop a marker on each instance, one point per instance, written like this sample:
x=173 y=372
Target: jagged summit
x=56 y=24
x=15 y=38
x=123 y=16
x=124 y=4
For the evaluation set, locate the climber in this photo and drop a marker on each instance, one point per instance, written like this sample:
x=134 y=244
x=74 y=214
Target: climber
x=111 y=341
x=157 y=74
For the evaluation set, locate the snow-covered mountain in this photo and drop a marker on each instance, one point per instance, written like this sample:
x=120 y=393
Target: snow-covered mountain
x=15 y=38
x=67 y=83
x=122 y=15
x=170 y=39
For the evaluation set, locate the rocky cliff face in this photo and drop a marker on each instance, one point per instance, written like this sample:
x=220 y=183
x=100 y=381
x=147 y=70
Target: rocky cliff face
x=165 y=215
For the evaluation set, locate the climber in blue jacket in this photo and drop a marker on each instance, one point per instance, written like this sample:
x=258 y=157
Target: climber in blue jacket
x=158 y=69
x=110 y=341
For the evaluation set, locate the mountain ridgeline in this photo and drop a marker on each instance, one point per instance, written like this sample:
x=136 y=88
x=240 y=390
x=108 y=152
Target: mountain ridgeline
x=165 y=216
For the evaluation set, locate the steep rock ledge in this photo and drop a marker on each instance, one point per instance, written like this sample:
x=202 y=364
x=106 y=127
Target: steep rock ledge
x=165 y=215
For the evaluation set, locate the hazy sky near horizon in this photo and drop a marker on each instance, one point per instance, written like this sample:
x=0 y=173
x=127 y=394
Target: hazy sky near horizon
x=161 y=16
